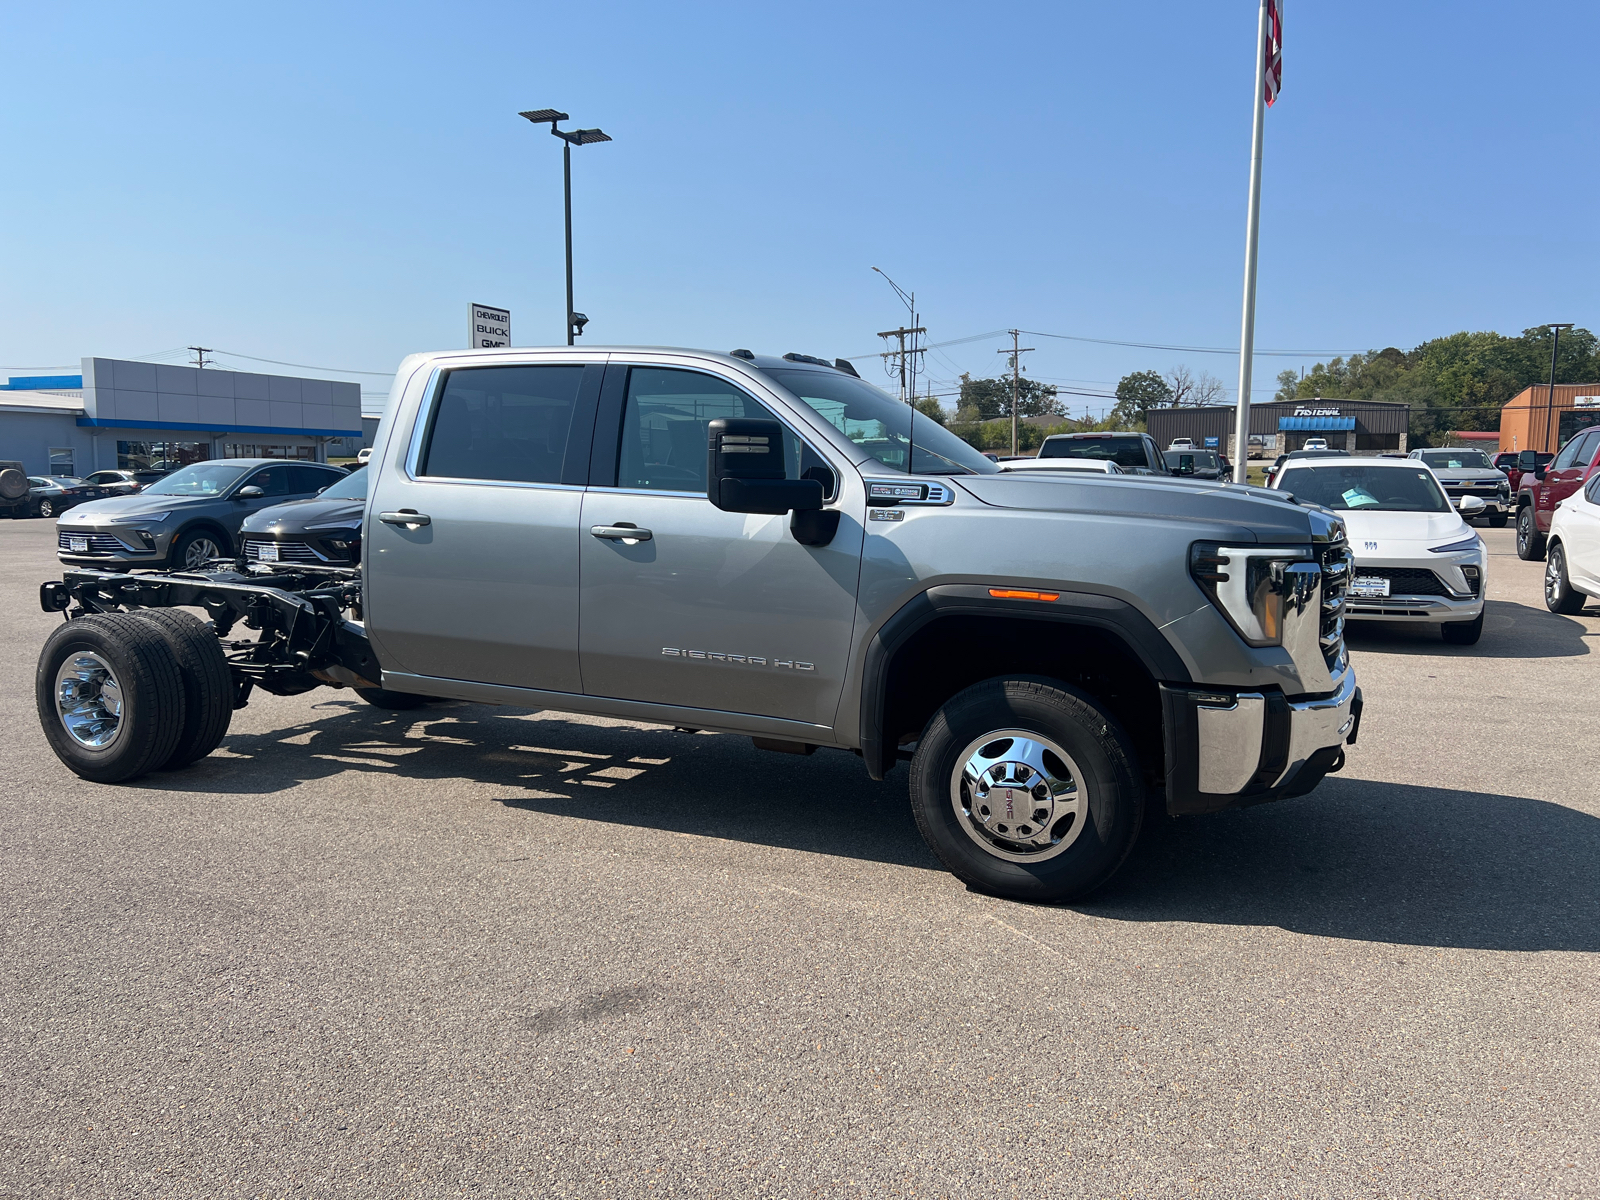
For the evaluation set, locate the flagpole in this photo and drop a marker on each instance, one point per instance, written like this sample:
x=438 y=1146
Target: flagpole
x=1247 y=334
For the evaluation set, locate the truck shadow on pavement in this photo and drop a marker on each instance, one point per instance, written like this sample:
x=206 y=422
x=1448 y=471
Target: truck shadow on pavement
x=1509 y=631
x=1380 y=862
x=1357 y=859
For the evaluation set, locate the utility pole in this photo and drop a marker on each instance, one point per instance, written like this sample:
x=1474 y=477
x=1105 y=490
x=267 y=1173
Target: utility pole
x=905 y=356
x=1550 y=399
x=200 y=359
x=1016 y=353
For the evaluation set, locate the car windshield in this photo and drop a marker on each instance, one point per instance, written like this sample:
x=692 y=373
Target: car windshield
x=352 y=487
x=1124 y=451
x=894 y=434
x=1455 y=460
x=198 y=479
x=1358 y=487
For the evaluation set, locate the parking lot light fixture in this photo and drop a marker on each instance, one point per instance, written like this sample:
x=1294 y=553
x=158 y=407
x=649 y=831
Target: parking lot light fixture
x=569 y=139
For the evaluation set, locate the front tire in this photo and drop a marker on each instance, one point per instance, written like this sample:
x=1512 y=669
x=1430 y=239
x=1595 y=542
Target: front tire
x=1530 y=542
x=110 y=697
x=1559 y=594
x=1026 y=788
x=1463 y=633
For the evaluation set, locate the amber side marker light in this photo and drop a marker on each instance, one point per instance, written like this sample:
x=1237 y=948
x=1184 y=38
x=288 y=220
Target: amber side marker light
x=1019 y=594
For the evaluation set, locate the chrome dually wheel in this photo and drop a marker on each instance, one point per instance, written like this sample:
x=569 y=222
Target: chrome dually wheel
x=1018 y=795
x=89 y=700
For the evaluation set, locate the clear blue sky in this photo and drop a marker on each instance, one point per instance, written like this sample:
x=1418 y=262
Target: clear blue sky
x=332 y=184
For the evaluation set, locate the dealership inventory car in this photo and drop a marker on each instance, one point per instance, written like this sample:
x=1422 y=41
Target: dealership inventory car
x=1542 y=488
x=325 y=530
x=121 y=482
x=1135 y=453
x=1470 y=473
x=187 y=518
x=1572 y=555
x=1415 y=557
x=1200 y=464
x=52 y=494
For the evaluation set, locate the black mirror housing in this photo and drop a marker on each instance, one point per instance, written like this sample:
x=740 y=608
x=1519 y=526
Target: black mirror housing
x=1527 y=460
x=744 y=470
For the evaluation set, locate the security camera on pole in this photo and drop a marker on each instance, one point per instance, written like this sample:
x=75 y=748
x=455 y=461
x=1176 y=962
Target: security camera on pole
x=1269 y=80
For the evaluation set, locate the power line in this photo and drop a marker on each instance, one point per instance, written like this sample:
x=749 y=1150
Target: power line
x=306 y=366
x=1068 y=337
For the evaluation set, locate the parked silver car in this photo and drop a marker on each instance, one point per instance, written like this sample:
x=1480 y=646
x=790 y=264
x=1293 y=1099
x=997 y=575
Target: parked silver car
x=187 y=518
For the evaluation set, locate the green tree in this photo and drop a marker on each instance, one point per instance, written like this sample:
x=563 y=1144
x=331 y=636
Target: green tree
x=931 y=408
x=1137 y=394
x=991 y=398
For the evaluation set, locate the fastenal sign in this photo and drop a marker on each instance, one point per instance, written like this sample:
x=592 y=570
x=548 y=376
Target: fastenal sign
x=1316 y=410
x=488 y=327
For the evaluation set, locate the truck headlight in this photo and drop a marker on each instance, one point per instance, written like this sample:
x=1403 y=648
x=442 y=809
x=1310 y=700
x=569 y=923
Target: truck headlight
x=1256 y=587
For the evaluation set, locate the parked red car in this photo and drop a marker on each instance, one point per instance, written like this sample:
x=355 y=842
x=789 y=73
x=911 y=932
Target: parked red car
x=1507 y=462
x=1543 y=486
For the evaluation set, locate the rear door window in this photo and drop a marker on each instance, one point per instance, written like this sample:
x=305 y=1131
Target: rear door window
x=310 y=480
x=273 y=481
x=508 y=424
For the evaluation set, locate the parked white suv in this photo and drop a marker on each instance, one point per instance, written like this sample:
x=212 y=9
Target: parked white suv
x=1572 y=553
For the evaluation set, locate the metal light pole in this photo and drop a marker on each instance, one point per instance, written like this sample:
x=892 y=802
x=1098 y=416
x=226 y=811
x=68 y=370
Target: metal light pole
x=1550 y=399
x=569 y=138
x=908 y=378
x=1247 y=334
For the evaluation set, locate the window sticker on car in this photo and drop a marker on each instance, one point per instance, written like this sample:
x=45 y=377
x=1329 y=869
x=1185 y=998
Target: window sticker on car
x=1359 y=498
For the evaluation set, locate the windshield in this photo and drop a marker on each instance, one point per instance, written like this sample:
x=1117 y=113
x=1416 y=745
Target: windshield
x=1455 y=460
x=352 y=487
x=894 y=434
x=1366 y=488
x=199 y=479
x=1124 y=451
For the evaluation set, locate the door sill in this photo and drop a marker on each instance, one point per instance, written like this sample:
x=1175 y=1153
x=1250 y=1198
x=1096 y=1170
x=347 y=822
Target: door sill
x=606 y=706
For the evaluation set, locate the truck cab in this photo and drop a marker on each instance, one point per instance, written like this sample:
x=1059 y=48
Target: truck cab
x=1543 y=486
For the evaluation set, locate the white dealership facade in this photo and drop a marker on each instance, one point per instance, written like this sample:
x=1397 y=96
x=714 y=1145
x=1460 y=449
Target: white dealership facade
x=122 y=413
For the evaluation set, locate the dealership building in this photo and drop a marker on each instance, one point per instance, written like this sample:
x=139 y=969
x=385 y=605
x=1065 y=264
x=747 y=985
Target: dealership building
x=1545 y=418
x=120 y=413
x=1359 y=426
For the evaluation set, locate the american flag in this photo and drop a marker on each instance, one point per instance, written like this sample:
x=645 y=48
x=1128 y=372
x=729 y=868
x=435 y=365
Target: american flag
x=1274 y=49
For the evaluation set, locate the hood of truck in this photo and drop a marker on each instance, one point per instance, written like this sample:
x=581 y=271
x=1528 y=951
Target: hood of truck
x=1268 y=516
x=1463 y=474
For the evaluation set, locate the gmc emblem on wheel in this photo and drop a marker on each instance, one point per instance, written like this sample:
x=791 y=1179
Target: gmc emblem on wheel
x=748 y=660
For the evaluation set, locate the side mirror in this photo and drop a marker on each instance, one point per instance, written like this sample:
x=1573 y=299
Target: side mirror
x=1185 y=464
x=1470 y=506
x=1527 y=460
x=744 y=470
x=249 y=493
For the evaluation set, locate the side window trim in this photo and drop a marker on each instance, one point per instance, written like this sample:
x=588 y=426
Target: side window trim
x=580 y=433
x=607 y=457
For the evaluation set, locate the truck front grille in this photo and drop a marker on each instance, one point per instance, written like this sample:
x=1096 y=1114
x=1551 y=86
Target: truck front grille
x=1335 y=563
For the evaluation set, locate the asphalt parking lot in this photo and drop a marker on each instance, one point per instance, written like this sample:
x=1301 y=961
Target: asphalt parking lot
x=491 y=952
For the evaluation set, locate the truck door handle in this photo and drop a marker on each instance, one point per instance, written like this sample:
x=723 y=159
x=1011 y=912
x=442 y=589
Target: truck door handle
x=621 y=533
x=409 y=517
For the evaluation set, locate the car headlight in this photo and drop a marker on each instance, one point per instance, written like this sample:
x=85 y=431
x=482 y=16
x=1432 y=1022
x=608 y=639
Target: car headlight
x=1255 y=587
x=139 y=519
x=1472 y=543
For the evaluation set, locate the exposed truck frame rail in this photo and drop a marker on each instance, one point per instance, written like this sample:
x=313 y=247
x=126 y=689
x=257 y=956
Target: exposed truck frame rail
x=307 y=621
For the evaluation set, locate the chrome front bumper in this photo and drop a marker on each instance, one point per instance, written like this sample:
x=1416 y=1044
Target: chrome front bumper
x=1226 y=749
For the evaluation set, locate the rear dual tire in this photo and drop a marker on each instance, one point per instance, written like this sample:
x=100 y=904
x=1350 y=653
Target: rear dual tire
x=122 y=694
x=1026 y=788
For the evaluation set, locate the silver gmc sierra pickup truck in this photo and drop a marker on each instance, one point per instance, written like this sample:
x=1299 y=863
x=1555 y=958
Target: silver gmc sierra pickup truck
x=769 y=547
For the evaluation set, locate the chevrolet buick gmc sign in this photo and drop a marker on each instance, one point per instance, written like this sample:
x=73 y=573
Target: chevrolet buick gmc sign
x=490 y=327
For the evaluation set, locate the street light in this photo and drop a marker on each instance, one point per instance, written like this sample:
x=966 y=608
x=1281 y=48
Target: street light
x=569 y=138
x=1550 y=399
